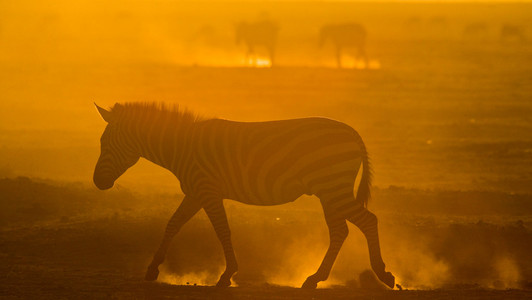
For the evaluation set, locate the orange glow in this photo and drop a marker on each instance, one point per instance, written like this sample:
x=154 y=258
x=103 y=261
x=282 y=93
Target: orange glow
x=439 y=91
x=261 y=63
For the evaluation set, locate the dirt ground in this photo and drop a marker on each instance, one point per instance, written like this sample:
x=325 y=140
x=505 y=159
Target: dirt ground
x=90 y=260
x=69 y=241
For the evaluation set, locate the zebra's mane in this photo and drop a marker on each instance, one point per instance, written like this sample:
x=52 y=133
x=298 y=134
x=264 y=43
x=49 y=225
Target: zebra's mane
x=156 y=112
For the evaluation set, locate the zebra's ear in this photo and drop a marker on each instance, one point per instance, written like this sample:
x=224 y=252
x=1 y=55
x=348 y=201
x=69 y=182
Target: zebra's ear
x=106 y=115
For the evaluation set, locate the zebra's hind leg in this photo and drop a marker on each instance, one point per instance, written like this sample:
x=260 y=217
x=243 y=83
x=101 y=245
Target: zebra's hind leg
x=337 y=234
x=367 y=222
x=339 y=57
x=271 y=52
x=216 y=212
x=188 y=208
x=361 y=52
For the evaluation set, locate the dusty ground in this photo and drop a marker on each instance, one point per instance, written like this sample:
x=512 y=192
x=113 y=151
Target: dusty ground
x=67 y=241
x=86 y=260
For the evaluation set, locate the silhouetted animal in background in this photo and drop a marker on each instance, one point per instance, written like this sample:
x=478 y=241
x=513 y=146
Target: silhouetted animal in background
x=437 y=22
x=477 y=30
x=350 y=35
x=257 y=163
x=413 y=22
x=512 y=32
x=256 y=35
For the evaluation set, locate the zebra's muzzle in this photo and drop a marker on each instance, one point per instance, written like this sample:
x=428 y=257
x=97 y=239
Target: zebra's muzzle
x=103 y=183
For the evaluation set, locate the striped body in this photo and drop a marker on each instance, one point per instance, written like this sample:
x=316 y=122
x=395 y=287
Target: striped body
x=258 y=163
x=268 y=163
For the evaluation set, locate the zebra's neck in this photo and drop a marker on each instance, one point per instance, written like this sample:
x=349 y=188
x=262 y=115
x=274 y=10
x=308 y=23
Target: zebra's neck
x=167 y=144
x=160 y=133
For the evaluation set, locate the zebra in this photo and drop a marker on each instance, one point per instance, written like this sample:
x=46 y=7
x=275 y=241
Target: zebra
x=257 y=34
x=512 y=32
x=348 y=35
x=257 y=163
x=475 y=31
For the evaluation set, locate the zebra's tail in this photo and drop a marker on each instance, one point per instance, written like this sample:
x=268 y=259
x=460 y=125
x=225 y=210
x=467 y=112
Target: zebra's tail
x=364 y=188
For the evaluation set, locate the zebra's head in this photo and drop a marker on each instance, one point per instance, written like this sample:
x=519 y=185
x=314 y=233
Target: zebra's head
x=118 y=151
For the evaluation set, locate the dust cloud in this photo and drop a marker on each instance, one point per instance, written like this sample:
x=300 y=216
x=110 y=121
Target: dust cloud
x=426 y=248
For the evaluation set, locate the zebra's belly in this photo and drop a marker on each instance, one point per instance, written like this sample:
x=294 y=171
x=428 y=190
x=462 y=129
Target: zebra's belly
x=267 y=197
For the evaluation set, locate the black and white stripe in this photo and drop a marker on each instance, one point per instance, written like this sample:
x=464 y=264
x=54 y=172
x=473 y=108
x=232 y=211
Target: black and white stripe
x=258 y=163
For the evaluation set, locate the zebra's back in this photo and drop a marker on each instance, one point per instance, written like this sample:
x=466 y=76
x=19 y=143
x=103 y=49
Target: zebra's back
x=268 y=163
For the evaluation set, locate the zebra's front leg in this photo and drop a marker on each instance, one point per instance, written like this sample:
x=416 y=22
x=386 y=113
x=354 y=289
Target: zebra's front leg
x=362 y=53
x=337 y=234
x=216 y=212
x=188 y=208
x=367 y=222
x=271 y=52
x=339 y=57
x=250 y=56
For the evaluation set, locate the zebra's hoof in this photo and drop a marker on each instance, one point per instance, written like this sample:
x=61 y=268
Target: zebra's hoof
x=309 y=284
x=223 y=283
x=388 y=279
x=151 y=274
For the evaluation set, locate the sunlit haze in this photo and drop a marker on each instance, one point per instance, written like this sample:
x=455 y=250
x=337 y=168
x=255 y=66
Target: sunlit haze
x=438 y=93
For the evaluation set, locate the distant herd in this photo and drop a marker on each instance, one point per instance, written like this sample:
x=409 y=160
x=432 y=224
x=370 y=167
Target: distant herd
x=263 y=34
